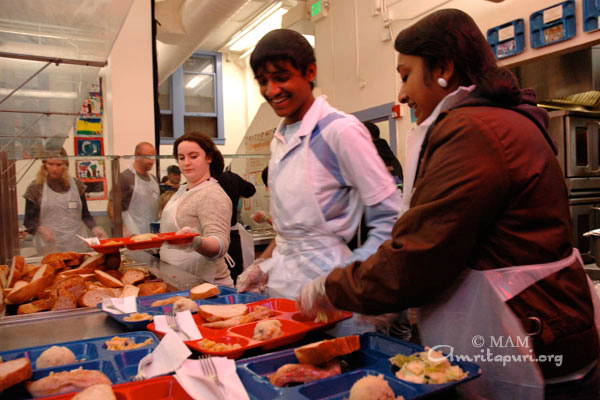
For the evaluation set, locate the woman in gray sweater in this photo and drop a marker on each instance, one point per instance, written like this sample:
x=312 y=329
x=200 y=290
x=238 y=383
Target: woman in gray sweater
x=200 y=206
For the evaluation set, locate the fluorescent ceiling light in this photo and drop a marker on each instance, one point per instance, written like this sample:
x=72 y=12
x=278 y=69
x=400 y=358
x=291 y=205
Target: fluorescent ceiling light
x=41 y=94
x=249 y=36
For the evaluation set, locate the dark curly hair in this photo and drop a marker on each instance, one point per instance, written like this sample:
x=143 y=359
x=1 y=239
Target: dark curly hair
x=451 y=34
x=210 y=148
x=283 y=45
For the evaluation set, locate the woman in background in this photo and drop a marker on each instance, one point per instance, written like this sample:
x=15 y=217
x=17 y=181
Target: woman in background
x=199 y=206
x=56 y=209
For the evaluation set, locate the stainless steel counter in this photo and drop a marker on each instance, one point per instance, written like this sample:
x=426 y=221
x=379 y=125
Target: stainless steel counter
x=48 y=327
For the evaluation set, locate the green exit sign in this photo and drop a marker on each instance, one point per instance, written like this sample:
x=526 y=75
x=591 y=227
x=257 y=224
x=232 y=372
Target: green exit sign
x=317 y=8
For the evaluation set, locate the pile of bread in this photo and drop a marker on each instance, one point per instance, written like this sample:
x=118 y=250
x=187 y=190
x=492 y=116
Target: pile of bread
x=69 y=280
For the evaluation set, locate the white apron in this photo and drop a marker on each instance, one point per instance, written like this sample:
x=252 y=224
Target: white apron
x=474 y=311
x=306 y=248
x=186 y=258
x=61 y=212
x=143 y=207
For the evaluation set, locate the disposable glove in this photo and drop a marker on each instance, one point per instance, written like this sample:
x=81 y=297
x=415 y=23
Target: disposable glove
x=186 y=229
x=99 y=232
x=258 y=217
x=253 y=279
x=313 y=301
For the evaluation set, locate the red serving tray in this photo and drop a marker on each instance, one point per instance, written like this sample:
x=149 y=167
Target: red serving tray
x=106 y=246
x=287 y=313
x=163 y=387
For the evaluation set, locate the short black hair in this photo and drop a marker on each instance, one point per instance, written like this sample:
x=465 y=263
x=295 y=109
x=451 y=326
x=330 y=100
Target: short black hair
x=283 y=45
x=373 y=129
x=173 y=169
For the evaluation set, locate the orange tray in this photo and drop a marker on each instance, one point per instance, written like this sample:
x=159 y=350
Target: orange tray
x=294 y=329
x=108 y=245
x=163 y=387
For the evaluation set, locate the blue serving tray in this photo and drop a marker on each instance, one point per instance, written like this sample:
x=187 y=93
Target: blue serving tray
x=591 y=12
x=227 y=296
x=118 y=366
x=554 y=31
x=507 y=46
x=371 y=359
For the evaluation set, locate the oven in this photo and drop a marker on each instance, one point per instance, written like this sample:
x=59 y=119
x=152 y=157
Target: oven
x=577 y=137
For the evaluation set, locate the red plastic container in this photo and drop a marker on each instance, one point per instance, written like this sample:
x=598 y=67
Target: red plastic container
x=162 y=387
x=294 y=329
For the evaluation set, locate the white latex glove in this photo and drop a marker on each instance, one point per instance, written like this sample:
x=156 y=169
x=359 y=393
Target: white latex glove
x=184 y=246
x=126 y=232
x=47 y=234
x=99 y=232
x=313 y=301
x=253 y=279
x=258 y=217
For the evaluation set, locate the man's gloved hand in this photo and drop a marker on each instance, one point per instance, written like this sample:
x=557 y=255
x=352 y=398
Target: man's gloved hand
x=313 y=301
x=99 y=232
x=253 y=279
x=47 y=234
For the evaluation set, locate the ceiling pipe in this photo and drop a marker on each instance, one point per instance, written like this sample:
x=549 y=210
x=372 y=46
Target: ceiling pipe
x=199 y=19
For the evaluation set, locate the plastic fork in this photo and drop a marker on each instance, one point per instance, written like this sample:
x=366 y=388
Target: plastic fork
x=172 y=322
x=210 y=371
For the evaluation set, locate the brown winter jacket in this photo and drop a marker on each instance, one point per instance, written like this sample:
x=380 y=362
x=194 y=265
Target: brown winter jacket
x=489 y=194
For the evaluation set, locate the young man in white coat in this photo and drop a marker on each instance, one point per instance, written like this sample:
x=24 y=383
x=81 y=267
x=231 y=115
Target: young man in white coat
x=324 y=173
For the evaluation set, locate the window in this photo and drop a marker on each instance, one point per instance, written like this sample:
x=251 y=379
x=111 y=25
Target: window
x=191 y=99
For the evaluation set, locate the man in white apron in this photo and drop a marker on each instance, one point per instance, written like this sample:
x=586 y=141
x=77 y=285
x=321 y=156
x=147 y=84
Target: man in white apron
x=484 y=200
x=140 y=192
x=323 y=173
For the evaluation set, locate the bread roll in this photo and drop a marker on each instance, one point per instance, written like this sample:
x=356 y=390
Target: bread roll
x=204 y=291
x=55 y=356
x=100 y=391
x=152 y=288
x=325 y=350
x=371 y=387
x=212 y=313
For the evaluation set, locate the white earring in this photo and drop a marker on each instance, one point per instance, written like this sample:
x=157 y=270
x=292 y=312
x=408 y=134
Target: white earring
x=442 y=82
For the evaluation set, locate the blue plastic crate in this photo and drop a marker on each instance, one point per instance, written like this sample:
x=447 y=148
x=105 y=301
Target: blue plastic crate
x=507 y=39
x=92 y=354
x=591 y=12
x=371 y=359
x=553 y=24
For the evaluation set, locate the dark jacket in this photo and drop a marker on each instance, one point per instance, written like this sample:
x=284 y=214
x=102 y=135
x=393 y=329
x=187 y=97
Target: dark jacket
x=489 y=194
x=388 y=157
x=235 y=186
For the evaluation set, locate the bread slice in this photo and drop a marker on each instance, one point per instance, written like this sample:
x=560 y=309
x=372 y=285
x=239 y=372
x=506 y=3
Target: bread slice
x=64 y=301
x=33 y=307
x=130 y=290
x=41 y=280
x=320 y=352
x=133 y=276
x=212 y=313
x=14 y=371
x=204 y=291
x=152 y=288
x=92 y=297
x=107 y=279
x=92 y=262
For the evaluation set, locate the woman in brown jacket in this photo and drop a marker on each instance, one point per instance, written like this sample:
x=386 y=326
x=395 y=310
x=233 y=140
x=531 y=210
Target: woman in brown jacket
x=484 y=243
